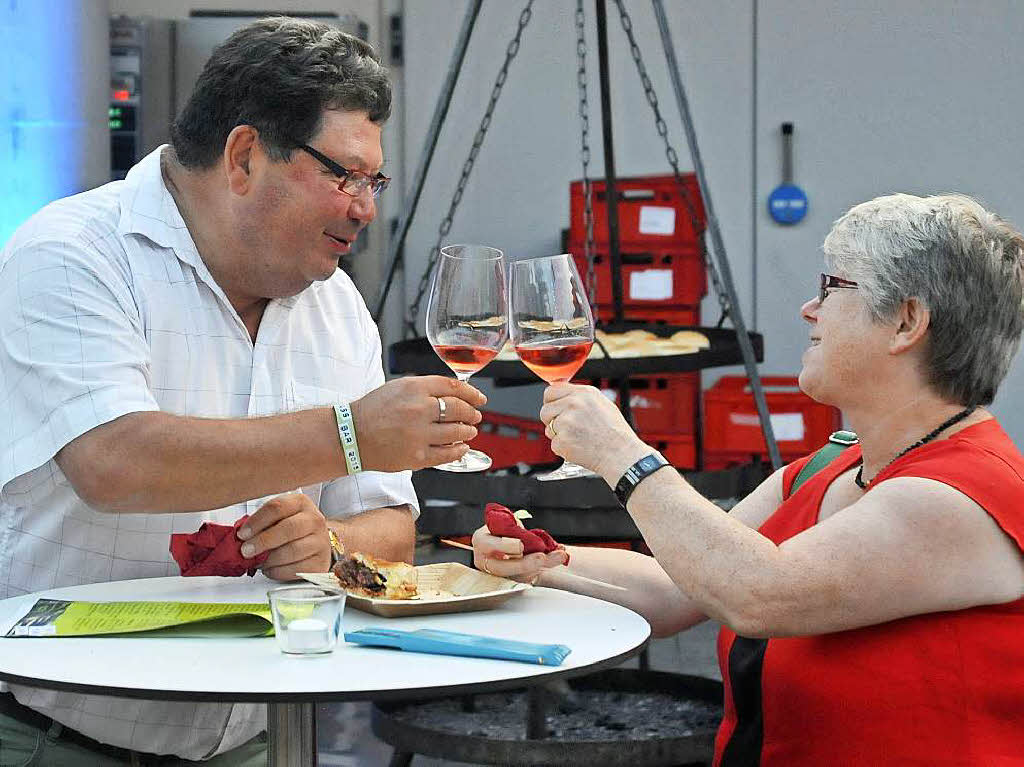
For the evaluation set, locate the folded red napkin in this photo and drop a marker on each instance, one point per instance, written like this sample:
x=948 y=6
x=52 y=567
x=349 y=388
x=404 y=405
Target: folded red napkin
x=214 y=550
x=502 y=522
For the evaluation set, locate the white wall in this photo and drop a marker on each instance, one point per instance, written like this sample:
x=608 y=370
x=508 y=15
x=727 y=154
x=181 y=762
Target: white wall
x=916 y=96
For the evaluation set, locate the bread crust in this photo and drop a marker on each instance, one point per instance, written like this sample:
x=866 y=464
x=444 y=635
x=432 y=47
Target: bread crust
x=368 y=576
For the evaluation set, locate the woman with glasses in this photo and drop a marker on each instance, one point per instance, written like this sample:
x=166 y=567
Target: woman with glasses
x=873 y=613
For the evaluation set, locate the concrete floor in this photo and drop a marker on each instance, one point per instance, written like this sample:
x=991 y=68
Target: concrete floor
x=345 y=738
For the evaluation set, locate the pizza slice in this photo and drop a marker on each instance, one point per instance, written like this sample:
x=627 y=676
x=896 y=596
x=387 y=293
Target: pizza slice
x=367 y=576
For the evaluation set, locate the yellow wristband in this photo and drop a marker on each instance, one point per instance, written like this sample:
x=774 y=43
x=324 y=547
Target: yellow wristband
x=347 y=435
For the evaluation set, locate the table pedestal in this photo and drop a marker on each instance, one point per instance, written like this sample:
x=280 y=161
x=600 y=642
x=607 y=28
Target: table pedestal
x=291 y=735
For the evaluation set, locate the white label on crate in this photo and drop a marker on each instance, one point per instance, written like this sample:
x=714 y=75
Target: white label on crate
x=787 y=427
x=656 y=220
x=635 y=401
x=650 y=285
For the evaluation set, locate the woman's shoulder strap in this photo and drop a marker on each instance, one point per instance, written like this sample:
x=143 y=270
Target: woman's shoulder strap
x=837 y=442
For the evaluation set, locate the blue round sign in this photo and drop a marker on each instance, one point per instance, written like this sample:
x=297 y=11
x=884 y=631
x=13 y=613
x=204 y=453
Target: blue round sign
x=787 y=204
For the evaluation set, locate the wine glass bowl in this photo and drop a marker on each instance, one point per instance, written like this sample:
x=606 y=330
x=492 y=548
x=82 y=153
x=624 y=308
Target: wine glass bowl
x=556 y=355
x=467 y=319
x=552 y=326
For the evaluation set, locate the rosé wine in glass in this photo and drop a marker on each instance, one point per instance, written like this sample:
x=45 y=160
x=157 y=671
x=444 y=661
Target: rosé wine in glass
x=555 y=361
x=465 y=358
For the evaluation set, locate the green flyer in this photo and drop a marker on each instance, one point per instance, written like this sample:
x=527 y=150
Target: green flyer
x=62 y=618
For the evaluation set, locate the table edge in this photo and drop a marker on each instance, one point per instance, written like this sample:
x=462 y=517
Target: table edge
x=328 y=696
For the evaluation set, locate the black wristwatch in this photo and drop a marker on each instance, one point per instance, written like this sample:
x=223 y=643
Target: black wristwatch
x=637 y=473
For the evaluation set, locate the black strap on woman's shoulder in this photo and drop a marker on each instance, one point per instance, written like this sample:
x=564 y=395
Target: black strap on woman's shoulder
x=837 y=443
x=746 y=655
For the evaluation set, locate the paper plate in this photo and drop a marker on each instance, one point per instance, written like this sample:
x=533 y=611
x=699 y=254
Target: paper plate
x=446 y=587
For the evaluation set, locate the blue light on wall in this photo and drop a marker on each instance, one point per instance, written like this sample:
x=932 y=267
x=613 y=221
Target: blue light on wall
x=44 y=129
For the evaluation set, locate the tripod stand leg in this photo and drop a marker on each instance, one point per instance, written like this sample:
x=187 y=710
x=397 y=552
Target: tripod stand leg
x=444 y=99
x=746 y=348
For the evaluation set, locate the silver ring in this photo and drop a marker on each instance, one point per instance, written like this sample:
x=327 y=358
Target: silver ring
x=483 y=566
x=441 y=409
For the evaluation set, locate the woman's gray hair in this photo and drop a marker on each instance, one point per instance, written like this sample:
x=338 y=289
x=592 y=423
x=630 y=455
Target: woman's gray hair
x=279 y=75
x=961 y=261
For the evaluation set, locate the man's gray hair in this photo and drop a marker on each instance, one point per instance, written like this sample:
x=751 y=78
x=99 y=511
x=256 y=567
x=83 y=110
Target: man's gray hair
x=961 y=261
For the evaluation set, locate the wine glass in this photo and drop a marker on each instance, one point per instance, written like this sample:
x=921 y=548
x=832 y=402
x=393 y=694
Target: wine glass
x=552 y=327
x=467 y=319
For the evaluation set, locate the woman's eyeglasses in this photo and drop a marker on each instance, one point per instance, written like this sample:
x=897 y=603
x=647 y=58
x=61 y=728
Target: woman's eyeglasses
x=829 y=282
x=351 y=182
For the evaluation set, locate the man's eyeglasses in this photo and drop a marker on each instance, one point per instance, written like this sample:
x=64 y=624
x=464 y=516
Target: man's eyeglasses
x=829 y=282
x=351 y=182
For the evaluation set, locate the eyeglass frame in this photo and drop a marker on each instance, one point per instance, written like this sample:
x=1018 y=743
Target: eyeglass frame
x=376 y=184
x=829 y=282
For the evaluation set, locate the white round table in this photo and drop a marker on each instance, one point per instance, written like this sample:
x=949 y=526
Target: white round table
x=600 y=634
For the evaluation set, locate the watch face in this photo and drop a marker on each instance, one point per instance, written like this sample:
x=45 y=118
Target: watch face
x=649 y=462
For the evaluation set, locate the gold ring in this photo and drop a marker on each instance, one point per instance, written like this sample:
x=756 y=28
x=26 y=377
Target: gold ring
x=551 y=425
x=442 y=408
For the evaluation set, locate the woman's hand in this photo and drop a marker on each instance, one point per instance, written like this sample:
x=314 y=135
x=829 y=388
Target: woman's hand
x=586 y=427
x=504 y=557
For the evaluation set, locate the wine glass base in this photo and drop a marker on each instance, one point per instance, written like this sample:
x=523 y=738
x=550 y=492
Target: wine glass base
x=474 y=460
x=566 y=471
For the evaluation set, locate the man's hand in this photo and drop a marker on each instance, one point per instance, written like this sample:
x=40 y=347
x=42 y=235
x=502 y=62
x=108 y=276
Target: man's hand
x=294 y=531
x=398 y=427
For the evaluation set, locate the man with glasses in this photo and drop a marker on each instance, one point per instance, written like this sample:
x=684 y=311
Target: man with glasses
x=180 y=347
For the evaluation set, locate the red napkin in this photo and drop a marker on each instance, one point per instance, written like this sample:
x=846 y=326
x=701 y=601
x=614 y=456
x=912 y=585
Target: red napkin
x=502 y=522
x=213 y=550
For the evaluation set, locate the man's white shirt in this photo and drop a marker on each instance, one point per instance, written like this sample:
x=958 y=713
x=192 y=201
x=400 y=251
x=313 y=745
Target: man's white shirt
x=108 y=309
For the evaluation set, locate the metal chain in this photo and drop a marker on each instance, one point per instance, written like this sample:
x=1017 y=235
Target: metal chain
x=588 y=196
x=673 y=159
x=467 y=167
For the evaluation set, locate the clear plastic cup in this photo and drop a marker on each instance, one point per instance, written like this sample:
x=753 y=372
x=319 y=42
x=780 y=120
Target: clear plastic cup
x=307 y=618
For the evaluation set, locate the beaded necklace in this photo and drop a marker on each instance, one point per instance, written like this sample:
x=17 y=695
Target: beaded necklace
x=859 y=478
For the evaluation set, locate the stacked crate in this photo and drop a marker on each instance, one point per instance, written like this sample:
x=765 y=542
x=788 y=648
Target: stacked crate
x=666 y=411
x=510 y=440
x=732 y=425
x=663 y=281
x=663 y=274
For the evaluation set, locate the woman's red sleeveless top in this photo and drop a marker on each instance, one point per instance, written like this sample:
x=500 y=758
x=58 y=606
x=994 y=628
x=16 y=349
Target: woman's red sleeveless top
x=936 y=689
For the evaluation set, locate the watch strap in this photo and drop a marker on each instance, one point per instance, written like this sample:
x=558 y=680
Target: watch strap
x=638 y=472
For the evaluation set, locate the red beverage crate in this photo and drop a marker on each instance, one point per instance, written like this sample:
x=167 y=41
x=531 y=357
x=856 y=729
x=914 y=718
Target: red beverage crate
x=661 y=404
x=680 y=450
x=652 y=212
x=680 y=315
x=509 y=440
x=732 y=428
x=657 y=277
